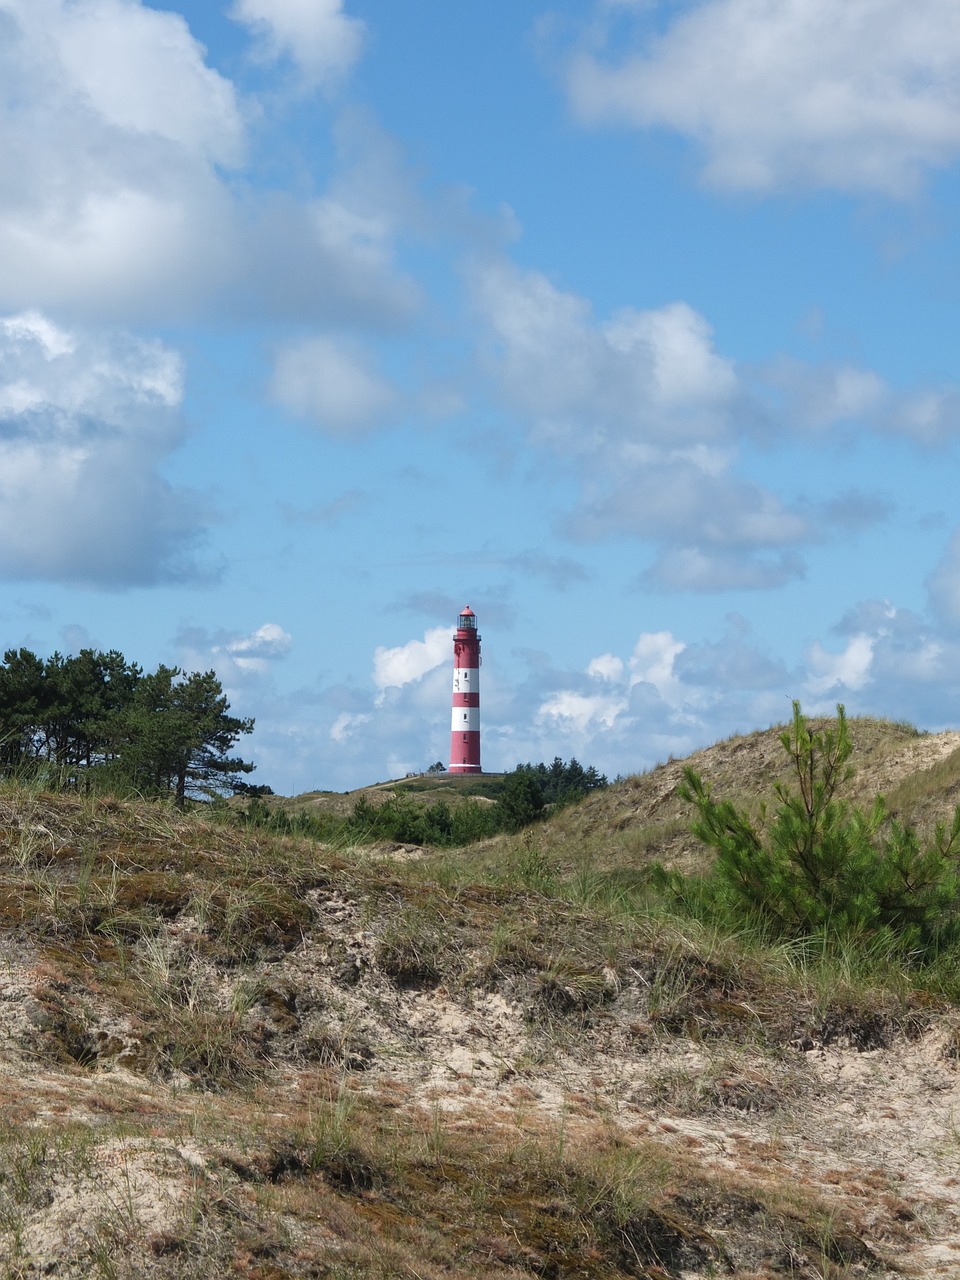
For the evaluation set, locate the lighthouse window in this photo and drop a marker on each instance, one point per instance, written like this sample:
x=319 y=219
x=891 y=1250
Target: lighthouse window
x=464 y=737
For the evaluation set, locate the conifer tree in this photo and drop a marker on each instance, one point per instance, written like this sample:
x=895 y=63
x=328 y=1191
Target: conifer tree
x=819 y=865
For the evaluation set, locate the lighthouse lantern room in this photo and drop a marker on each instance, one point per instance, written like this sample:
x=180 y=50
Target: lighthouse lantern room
x=465 y=722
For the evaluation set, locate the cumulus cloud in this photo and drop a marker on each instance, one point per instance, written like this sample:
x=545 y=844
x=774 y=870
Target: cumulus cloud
x=86 y=421
x=671 y=497
x=323 y=260
x=849 y=669
x=649 y=412
x=233 y=654
x=649 y=376
x=618 y=713
x=859 y=96
x=256 y=651
x=652 y=661
x=733 y=664
x=111 y=133
x=582 y=711
x=347 y=725
x=604 y=700
x=407 y=663
x=606 y=667
x=653 y=417
x=118 y=147
x=626 y=711
x=316 y=35
x=332 y=383
x=821 y=397
x=892 y=662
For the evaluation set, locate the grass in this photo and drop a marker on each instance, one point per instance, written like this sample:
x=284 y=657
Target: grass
x=469 y=1196
x=268 y=1002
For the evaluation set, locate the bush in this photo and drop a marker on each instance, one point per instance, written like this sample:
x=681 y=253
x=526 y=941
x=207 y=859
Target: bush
x=819 y=866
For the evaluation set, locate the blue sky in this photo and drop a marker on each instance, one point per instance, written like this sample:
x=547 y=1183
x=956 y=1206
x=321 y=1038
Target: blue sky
x=631 y=323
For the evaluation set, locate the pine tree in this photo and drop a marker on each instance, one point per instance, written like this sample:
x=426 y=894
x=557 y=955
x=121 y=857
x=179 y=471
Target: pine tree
x=176 y=735
x=820 y=865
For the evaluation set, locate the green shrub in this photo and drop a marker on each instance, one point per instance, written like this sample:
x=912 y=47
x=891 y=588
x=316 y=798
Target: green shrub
x=819 y=866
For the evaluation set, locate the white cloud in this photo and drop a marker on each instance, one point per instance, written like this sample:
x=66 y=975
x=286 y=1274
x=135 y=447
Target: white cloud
x=116 y=200
x=111 y=129
x=140 y=71
x=648 y=410
x=646 y=375
x=607 y=667
x=671 y=499
x=820 y=396
x=583 y=710
x=408 y=663
x=652 y=661
x=827 y=396
x=849 y=669
x=650 y=414
x=255 y=652
x=333 y=383
x=732 y=667
x=332 y=258
x=51 y=340
x=895 y=663
x=233 y=655
x=85 y=422
x=863 y=95
x=685 y=368
x=315 y=34
x=583 y=713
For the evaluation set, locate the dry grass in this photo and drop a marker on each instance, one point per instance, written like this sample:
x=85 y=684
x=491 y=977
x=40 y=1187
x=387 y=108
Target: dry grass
x=230 y=1054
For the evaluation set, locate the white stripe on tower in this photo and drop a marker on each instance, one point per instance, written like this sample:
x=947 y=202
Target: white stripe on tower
x=465 y=720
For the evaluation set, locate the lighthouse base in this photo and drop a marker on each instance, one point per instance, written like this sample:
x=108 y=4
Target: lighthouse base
x=464 y=768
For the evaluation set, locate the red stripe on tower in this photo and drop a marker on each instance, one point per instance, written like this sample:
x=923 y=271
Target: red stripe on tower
x=465 y=722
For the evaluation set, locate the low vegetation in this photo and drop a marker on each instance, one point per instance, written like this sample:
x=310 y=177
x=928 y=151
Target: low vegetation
x=594 y=1047
x=412 y=812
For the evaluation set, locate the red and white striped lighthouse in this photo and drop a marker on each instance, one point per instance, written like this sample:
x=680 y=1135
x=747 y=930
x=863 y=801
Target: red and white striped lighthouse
x=465 y=723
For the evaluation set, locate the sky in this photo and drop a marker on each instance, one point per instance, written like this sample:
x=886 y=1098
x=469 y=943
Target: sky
x=633 y=324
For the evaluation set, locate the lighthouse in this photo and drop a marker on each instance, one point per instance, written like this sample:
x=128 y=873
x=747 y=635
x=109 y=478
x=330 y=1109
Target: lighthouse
x=465 y=722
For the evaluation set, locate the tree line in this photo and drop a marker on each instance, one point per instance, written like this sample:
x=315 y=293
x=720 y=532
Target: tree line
x=96 y=720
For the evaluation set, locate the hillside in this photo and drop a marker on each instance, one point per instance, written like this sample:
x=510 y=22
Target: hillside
x=229 y=1054
x=427 y=787
x=644 y=817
